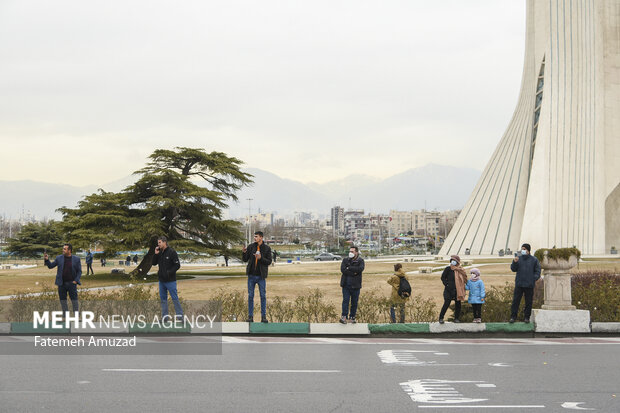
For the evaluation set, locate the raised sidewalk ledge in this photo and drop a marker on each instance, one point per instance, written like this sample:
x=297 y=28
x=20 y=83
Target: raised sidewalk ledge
x=322 y=329
x=606 y=328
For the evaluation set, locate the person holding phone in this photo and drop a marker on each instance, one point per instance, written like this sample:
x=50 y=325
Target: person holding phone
x=67 y=276
x=258 y=256
x=168 y=261
x=527 y=268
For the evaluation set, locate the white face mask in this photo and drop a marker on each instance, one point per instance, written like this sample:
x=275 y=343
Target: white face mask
x=351 y=255
x=523 y=252
x=453 y=263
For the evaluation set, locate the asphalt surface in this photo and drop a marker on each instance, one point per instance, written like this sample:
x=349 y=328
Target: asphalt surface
x=327 y=375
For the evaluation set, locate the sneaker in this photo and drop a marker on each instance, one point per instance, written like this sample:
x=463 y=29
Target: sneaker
x=477 y=320
x=441 y=321
x=456 y=320
x=264 y=320
x=250 y=319
x=512 y=320
x=352 y=320
x=526 y=321
x=343 y=320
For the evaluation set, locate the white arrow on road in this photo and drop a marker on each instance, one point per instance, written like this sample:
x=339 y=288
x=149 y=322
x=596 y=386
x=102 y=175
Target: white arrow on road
x=499 y=365
x=574 y=406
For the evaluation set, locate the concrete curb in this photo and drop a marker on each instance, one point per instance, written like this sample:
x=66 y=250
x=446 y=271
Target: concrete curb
x=317 y=329
x=235 y=328
x=399 y=328
x=457 y=328
x=339 y=329
x=509 y=328
x=606 y=328
x=158 y=330
x=26 y=328
x=279 y=328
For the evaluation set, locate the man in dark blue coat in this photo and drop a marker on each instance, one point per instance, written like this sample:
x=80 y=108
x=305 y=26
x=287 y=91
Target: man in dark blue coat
x=527 y=268
x=68 y=276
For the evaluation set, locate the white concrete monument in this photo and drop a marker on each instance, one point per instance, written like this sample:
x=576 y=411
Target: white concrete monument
x=554 y=178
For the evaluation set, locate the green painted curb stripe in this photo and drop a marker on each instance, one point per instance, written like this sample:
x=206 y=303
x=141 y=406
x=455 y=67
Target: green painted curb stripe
x=159 y=330
x=280 y=328
x=399 y=328
x=26 y=328
x=509 y=328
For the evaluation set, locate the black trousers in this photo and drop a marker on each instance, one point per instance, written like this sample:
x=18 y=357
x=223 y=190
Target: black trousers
x=89 y=268
x=477 y=308
x=448 y=297
x=516 y=301
x=68 y=287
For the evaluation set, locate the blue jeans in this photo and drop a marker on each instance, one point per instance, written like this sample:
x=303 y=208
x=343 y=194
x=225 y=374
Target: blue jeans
x=262 y=289
x=401 y=307
x=164 y=288
x=352 y=294
x=68 y=287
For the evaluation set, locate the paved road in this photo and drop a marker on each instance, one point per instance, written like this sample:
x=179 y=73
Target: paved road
x=322 y=375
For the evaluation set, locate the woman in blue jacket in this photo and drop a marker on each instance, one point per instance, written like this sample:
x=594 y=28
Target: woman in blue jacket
x=477 y=294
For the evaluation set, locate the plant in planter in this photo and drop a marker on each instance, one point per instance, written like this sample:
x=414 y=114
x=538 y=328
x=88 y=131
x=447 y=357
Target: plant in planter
x=501 y=253
x=558 y=258
x=613 y=250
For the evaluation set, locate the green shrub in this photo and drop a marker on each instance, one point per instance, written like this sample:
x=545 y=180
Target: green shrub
x=557 y=253
x=598 y=292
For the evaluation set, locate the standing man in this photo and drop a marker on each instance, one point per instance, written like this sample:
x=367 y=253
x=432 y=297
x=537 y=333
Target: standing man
x=168 y=261
x=135 y=259
x=275 y=257
x=89 y=263
x=527 y=268
x=67 y=276
x=258 y=257
x=351 y=283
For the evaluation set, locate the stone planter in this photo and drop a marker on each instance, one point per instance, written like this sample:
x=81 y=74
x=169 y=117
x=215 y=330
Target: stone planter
x=558 y=265
x=558 y=294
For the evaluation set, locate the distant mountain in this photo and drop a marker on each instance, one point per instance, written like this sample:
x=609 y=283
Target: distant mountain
x=431 y=186
x=38 y=198
x=270 y=193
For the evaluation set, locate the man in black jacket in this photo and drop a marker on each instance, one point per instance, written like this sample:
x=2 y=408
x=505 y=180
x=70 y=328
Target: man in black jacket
x=258 y=257
x=527 y=268
x=168 y=261
x=351 y=283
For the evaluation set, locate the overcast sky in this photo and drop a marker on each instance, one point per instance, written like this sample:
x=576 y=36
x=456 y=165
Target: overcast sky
x=309 y=90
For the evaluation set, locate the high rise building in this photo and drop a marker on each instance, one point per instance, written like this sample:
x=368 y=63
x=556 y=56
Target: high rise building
x=554 y=178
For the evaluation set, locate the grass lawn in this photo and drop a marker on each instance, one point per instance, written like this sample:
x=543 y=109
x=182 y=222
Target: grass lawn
x=286 y=280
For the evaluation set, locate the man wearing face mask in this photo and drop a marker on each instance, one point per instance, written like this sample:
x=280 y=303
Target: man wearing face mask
x=527 y=268
x=351 y=283
x=454 y=279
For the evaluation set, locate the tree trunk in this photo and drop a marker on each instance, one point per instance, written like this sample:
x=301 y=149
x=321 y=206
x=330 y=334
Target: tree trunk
x=147 y=262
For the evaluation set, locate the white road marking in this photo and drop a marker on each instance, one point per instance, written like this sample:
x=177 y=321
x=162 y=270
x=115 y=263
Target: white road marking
x=407 y=358
x=499 y=365
x=537 y=406
x=83 y=382
x=575 y=406
x=486 y=385
x=437 y=391
x=217 y=371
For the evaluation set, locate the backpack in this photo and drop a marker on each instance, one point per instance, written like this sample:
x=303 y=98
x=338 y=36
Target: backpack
x=404 y=288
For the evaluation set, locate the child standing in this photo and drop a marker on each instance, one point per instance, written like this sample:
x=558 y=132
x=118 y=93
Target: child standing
x=477 y=294
x=396 y=300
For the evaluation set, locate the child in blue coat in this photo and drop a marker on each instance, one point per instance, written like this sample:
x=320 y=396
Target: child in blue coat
x=477 y=294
